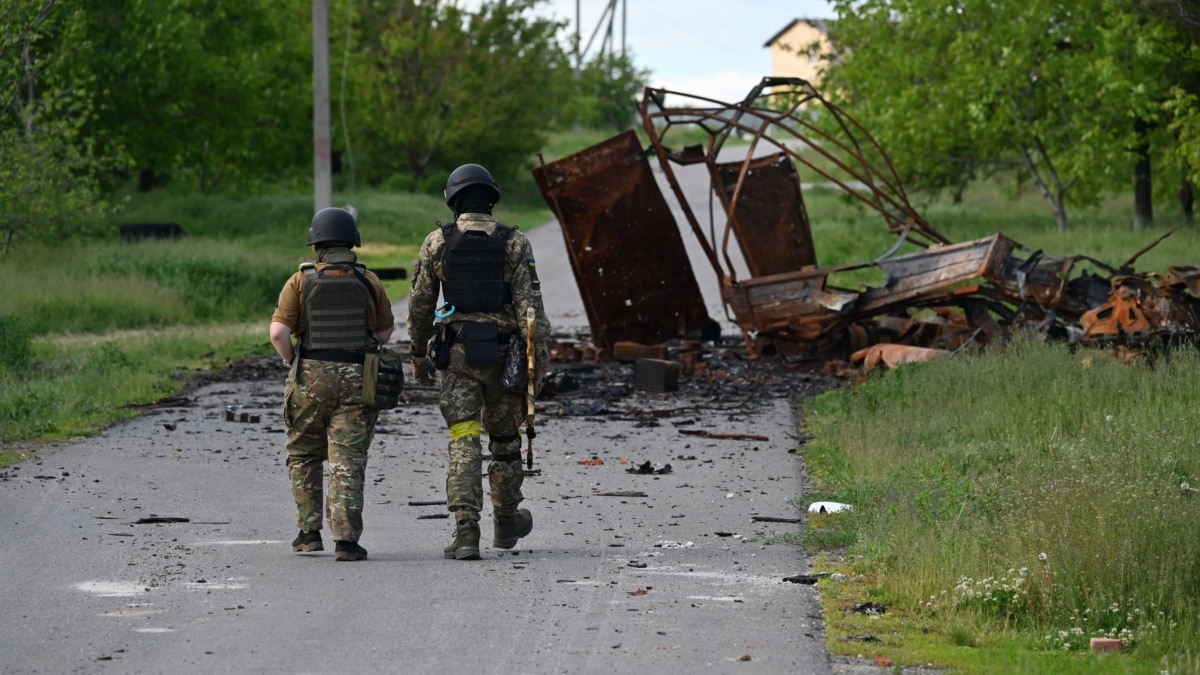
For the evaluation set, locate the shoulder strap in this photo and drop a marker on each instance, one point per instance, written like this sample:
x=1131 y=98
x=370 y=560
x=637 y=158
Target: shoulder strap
x=358 y=269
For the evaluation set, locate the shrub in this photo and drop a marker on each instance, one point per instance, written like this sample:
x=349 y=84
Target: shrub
x=16 y=349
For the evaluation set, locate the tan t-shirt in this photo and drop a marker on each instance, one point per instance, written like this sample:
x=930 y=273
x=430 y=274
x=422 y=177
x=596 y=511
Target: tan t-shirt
x=288 y=308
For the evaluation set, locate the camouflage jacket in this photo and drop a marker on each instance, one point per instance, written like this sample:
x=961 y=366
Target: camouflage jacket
x=520 y=271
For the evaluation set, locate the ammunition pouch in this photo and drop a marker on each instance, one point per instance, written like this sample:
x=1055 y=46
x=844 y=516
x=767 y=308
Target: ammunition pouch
x=480 y=343
x=383 y=379
x=515 y=377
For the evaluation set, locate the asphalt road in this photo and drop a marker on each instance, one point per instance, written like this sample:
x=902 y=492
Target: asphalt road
x=623 y=573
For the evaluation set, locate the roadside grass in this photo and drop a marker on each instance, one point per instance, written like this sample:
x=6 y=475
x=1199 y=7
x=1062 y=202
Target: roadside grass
x=78 y=320
x=1010 y=506
x=75 y=385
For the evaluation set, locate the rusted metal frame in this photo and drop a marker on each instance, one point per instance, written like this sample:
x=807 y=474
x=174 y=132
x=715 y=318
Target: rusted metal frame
x=911 y=213
x=1185 y=277
x=892 y=204
x=772 y=224
x=898 y=215
x=1128 y=265
x=730 y=203
x=659 y=151
x=962 y=297
x=810 y=316
x=892 y=182
x=755 y=316
x=756 y=95
x=901 y=227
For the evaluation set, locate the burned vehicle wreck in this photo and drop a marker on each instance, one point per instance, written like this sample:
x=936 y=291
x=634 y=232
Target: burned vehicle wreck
x=627 y=248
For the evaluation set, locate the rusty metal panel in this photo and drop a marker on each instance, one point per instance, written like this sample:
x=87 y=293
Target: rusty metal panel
x=915 y=275
x=1184 y=276
x=797 y=303
x=628 y=256
x=769 y=218
x=800 y=305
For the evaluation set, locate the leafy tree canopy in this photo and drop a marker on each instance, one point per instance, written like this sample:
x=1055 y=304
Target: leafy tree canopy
x=47 y=180
x=439 y=86
x=206 y=89
x=1061 y=92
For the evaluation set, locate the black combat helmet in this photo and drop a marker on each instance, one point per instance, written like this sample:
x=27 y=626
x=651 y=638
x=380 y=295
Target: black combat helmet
x=466 y=176
x=334 y=224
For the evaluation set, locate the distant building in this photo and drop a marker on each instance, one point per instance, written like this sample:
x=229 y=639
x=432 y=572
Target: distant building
x=796 y=50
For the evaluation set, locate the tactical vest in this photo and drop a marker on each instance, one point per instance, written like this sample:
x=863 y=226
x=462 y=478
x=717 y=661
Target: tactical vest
x=337 y=307
x=474 y=265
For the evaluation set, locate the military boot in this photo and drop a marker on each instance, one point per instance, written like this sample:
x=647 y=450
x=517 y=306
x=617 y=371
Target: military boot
x=307 y=542
x=466 y=542
x=349 y=551
x=510 y=526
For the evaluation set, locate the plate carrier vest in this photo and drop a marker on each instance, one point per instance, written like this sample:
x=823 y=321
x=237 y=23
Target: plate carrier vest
x=337 y=304
x=474 y=263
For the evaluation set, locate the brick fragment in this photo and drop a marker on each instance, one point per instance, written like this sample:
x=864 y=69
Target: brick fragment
x=656 y=375
x=1107 y=645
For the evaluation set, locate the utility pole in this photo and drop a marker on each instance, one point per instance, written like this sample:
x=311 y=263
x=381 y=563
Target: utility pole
x=606 y=22
x=322 y=169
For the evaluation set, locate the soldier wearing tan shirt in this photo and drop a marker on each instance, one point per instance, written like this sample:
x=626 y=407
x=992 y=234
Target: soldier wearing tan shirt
x=338 y=311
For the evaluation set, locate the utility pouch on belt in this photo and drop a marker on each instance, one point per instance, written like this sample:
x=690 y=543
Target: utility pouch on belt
x=439 y=346
x=383 y=379
x=479 y=341
x=516 y=371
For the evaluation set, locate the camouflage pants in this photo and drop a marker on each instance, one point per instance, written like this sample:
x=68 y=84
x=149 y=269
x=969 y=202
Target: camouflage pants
x=327 y=421
x=474 y=402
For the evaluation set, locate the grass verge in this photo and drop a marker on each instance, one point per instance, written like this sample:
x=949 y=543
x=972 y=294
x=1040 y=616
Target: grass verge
x=1009 y=507
x=77 y=385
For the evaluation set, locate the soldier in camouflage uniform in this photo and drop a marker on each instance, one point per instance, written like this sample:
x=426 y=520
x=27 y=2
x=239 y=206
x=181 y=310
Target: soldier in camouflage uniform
x=486 y=273
x=338 y=310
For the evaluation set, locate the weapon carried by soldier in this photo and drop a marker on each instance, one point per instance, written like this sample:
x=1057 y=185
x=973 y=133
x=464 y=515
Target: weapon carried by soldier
x=531 y=392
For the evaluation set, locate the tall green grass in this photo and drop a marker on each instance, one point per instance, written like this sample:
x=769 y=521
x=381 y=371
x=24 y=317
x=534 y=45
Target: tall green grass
x=1041 y=490
x=87 y=325
x=107 y=286
x=76 y=385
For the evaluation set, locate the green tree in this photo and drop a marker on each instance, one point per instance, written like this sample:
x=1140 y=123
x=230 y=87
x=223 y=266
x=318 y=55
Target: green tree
x=607 y=93
x=1066 y=94
x=211 y=90
x=1183 y=119
x=442 y=86
x=47 y=181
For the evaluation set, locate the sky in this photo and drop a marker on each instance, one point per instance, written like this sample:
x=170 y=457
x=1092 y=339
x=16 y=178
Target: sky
x=712 y=48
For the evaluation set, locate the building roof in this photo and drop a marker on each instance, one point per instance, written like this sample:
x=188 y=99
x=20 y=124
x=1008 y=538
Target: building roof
x=820 y=24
